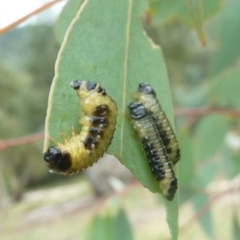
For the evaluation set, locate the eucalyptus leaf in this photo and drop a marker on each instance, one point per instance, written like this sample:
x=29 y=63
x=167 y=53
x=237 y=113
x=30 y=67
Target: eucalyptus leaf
x=205 y=219
x=105 y=43
x=230 y=163
x=206 y=173
x=236 y=227
x=108 y=46
x=193 y=13
x=209 y=135
x=65 y=18
x=228 y=49
x=224 y=89
x=112 y=225
x=186 y=163
x=122 y=228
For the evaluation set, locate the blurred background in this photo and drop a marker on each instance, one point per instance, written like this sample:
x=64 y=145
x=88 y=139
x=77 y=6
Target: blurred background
x=200 y=42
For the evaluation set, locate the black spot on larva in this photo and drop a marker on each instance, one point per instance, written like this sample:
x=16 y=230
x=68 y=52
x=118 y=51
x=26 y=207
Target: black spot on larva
x=101 y=90
x=94 y=132
x=173 y=182
x=137 y=111
x=169 y=165
x=91 y=86
x=101 y=110
x=173 y=187
x=157 y=169
x=169 y=150
x=153 y=161
x=164 y=136
x=145 y=88
x=76 y=84
x=155 y=118
x=97 y=121
x=148 y=146
x=159 y=176
x=166 y=141
x=65 y=163
x=160 y=167
x=57 y=160
x=151 y=154
x=89 y=142
x=144 y=140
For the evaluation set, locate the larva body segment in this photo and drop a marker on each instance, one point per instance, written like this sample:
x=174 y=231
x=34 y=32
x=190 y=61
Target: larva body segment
x=147 y=96
x=98 y=114
x=155 y=150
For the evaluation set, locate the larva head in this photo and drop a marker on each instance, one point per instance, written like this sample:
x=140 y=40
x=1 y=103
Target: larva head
x=146 y=89
x=57 y=160
x=85 y=88
x=137 y=111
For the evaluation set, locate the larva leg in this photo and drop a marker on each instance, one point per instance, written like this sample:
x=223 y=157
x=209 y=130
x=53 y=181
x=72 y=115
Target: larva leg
x=73 y=131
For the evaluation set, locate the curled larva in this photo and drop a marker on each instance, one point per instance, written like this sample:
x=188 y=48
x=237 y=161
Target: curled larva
x=98 y=120
x=147 y=96
x=155 y=150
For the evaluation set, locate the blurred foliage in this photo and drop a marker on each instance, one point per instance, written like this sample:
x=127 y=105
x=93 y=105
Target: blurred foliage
x=24 y=92
x=111 y=224
x=199 y=76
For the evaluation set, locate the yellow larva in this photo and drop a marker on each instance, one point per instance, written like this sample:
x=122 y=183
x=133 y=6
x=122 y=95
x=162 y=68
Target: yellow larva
x=155 y=150
x=98 y=120
x=147 y=96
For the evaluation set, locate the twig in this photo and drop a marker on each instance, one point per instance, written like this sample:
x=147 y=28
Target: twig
x=22 y=19
x=192 y=113
x=21 y=140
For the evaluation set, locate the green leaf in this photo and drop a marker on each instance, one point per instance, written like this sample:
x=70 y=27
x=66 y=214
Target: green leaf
x=225 y=89
x=206 y=172
x=122 y=227
x=192 y=12
x=205 y=219
x=113 y=50
x=228 y=48
x=65 y=18
x=209 y=135
x=97 y=229
x=186 y=166
x=114 y=226
x=172 y=216
x=187 y=192
x=195 y=11
x=236 y=227
x=106 y=43
x=230 y=163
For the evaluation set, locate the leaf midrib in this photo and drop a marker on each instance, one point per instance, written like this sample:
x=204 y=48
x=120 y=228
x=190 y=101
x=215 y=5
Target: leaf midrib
x=125 y=72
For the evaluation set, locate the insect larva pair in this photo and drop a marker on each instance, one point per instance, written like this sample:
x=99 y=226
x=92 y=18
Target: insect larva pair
x=157 y=137
x=98 y=120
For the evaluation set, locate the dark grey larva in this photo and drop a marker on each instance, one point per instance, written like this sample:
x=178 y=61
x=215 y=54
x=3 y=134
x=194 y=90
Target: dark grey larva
x=147 y=96
x=155 y=150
